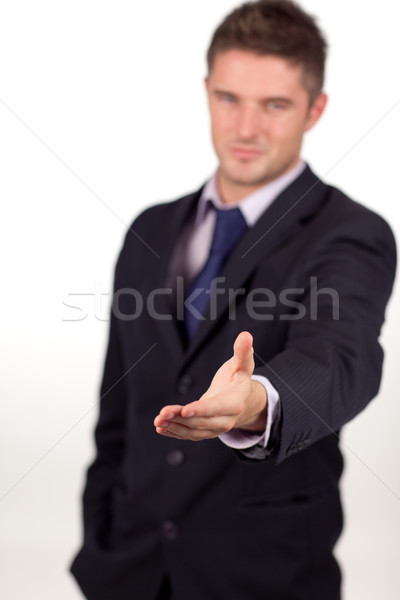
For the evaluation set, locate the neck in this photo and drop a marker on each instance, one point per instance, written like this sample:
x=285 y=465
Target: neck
x=232 y=193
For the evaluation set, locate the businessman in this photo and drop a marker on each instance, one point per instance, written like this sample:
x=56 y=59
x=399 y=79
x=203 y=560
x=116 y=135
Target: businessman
x=244 y=334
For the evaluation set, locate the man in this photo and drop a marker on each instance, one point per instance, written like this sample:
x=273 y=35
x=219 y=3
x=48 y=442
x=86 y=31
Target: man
x=217 y=475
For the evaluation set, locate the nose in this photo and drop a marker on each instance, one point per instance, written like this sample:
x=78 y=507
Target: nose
x=248 y=122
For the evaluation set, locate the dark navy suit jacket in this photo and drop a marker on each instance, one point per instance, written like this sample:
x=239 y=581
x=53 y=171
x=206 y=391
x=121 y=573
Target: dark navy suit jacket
x=220 y=523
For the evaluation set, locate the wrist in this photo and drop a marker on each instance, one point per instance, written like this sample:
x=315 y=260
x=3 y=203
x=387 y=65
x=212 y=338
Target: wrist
x=257 y=417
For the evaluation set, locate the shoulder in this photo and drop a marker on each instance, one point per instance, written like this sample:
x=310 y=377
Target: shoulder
x=150 y=231
x=350 y=217
x=346 y=238
x=160 y=215
x=334 y=206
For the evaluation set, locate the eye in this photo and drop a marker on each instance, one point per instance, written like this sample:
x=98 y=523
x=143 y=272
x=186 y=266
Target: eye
x=227 y=98
x=275 y=105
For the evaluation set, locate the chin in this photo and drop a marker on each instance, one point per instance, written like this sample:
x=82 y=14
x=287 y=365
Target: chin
x=252 y=179
x=244 y=173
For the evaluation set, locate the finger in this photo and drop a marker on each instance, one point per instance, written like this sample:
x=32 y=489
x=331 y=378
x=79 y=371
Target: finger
x=166 y=433
x=186 y=433
x=167 y=412
x=212 y=406
x=243 y=353
x=217 y=424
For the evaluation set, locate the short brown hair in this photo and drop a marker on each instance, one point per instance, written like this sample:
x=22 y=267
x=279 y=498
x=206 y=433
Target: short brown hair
x=279 y=28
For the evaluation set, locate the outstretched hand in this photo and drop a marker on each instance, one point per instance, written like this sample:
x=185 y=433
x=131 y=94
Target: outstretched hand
x=233 y=400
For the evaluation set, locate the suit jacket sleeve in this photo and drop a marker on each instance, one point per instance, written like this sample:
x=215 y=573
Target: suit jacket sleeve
x=330 y=367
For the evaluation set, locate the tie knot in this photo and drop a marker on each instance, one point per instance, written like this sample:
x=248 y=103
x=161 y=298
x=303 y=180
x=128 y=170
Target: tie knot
x=229 y=228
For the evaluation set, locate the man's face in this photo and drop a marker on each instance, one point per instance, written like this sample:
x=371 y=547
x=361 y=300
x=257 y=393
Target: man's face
x=259 y=112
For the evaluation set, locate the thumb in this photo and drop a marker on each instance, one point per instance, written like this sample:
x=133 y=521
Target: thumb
x=243 y=353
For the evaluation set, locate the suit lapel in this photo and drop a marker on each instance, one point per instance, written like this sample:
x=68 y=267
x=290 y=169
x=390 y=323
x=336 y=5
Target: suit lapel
x=168 y=232
x=279 y=223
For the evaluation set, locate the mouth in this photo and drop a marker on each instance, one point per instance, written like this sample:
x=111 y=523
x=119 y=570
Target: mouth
x=245 y=153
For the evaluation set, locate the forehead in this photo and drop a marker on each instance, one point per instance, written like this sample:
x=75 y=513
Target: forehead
x=245 y=73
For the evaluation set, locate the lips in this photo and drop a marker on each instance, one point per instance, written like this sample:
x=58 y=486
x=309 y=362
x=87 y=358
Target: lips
x=244 y=153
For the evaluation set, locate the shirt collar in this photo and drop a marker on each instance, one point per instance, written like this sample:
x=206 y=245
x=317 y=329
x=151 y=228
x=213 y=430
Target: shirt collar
x=253 y=205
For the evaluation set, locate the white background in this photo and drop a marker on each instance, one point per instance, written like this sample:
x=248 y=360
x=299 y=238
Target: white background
x=102 y=112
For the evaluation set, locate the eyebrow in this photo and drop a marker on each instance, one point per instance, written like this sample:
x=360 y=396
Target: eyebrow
x=223 y=93
x=281 y=99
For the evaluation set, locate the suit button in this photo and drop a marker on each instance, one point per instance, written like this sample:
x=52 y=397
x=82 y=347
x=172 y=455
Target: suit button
x=185 y=384
x=175 y=458
x=170 y=530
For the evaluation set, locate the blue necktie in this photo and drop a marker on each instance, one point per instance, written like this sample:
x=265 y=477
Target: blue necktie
x=229 y=228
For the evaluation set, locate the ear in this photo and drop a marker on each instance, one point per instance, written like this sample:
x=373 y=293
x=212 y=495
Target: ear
x=316 y=110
